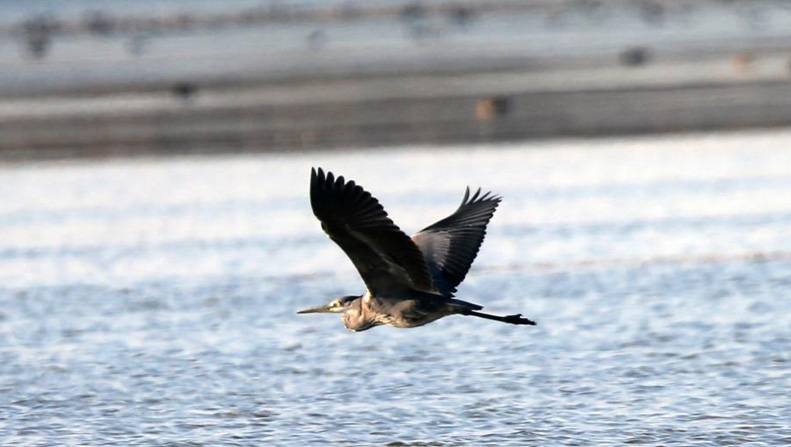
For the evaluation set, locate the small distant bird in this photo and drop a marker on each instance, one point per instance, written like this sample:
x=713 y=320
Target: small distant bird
x=410 y=281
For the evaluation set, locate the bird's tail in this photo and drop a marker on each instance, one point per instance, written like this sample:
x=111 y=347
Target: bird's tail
x=465 y=304
x=460 y=305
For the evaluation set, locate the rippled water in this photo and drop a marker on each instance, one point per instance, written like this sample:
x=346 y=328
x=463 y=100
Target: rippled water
x=151 y=302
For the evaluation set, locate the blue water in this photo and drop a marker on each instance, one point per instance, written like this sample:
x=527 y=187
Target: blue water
x=152 y=302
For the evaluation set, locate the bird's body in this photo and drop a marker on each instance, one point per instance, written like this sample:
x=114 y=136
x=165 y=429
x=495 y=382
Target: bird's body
x=410 y=281
x=405 y=311
x=368 y=311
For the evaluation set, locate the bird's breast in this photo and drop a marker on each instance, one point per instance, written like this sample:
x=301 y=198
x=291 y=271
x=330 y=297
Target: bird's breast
x=405 y=313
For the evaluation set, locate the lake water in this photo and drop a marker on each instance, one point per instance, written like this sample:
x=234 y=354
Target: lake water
x=152 y=301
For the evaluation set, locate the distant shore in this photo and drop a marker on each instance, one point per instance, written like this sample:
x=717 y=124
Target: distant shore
x=319 y=86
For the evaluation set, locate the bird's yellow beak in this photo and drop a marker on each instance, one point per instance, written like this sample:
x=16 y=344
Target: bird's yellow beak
x=327 y=308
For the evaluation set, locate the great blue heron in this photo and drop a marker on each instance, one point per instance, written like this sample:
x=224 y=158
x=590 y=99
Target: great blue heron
x=410 y=281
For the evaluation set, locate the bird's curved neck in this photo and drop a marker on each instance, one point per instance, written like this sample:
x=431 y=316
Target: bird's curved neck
x=358 y=317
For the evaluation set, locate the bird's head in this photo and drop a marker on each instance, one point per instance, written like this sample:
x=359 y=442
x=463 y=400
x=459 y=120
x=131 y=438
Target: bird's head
x=335 y=306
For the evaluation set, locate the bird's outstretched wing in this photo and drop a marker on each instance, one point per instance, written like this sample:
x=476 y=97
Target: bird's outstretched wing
x=450 y=245
x=387 y=259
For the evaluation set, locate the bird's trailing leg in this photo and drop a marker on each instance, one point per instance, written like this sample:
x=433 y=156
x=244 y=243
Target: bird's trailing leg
x=512 y=319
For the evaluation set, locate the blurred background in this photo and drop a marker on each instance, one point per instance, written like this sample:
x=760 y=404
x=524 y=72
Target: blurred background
x=156 y=236
x=252 y=75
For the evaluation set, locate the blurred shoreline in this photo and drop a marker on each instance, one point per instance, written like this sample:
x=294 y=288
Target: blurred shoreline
x=315 y=76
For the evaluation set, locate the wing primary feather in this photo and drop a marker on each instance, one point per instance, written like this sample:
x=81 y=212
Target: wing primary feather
x=451 y=244
x=386 y=258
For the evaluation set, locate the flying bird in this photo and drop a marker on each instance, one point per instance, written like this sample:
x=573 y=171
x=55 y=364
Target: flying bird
x=410 y=281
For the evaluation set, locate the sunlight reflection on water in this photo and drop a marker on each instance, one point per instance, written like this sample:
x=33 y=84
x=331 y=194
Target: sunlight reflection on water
x=152 y=301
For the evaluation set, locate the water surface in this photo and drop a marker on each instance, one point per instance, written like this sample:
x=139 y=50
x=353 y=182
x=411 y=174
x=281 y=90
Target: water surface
x=152 y=301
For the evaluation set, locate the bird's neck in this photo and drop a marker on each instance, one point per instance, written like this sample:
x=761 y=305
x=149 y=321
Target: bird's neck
x=358 y=317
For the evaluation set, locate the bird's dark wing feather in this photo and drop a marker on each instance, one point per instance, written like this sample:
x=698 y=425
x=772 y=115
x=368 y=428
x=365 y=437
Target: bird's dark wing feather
x=387 y=259
x=450 y=245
